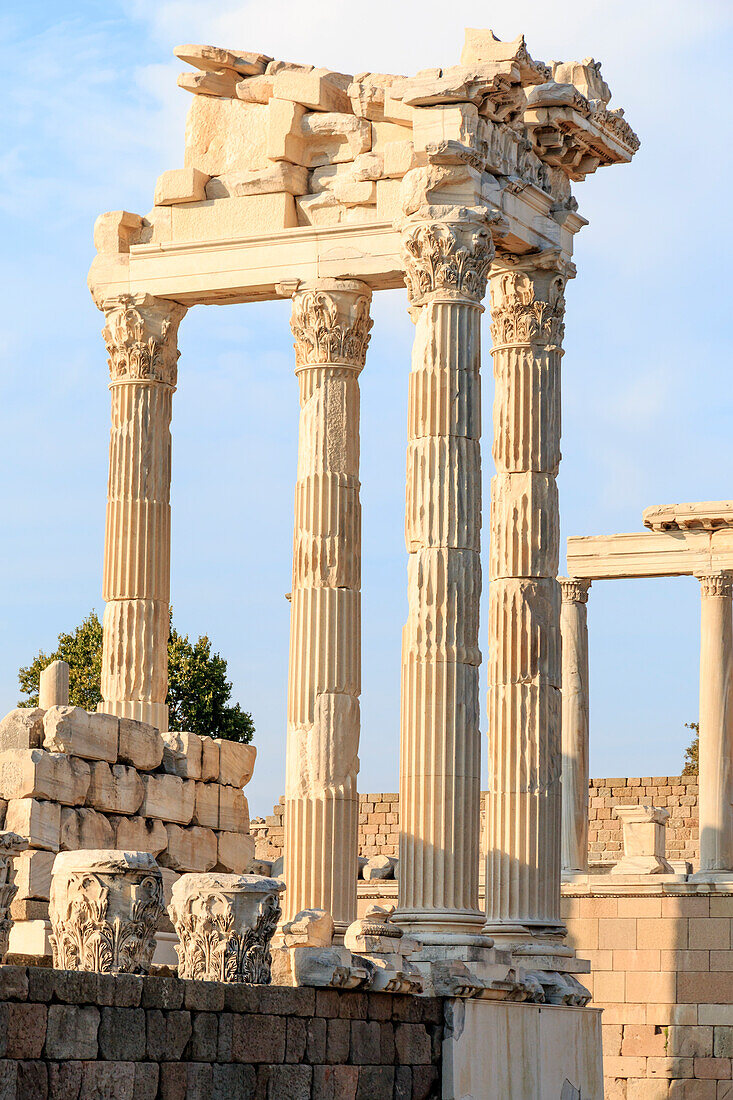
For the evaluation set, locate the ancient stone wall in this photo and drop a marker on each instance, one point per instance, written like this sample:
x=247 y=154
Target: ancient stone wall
x=379 y=819
x=70 y=779
x=662 y=971
x=77 y=1034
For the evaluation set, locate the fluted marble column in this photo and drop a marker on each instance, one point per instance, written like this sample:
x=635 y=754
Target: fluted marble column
x=575 y=729
x=446 y=266
x=716 y=724
x=523 y=813
x=141 y=340
x=331 y=323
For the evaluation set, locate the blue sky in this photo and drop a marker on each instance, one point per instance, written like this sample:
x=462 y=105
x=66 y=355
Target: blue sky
x=92 y=116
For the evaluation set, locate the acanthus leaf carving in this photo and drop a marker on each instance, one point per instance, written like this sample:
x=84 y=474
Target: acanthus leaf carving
x=141 y=339
x=574 y=589
x=716 y=584
x=528 y=301
x=331 y=325
x=224 y=925
x=105 y=919
x=450 y=257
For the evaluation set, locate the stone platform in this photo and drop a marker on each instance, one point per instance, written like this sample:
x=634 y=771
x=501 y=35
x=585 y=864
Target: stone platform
x=78 y=1034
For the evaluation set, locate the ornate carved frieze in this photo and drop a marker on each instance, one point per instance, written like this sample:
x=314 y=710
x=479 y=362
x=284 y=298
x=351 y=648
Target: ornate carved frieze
x=104 y=911
x=331 y=323
x=574 y=589
x=225 y=924
x=451 y=258
x=141 y=338
x=10 y=844
x=528 y=300
x=716 y=584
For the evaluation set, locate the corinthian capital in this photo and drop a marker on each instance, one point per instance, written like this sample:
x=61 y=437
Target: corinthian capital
x=528 y=299
x=716 y=584
x=449 y=257
x=574 y=589
x=141 y=337
x=331 y=323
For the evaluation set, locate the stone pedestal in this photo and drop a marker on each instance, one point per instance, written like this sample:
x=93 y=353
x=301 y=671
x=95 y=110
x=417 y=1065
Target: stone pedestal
x=331 y=324
x=446 y=265
x=644 y=841
x=521 y=1052
x=141 y=340
x=715 y=800
x=104 y=909
x=225 y=924
x=575 y=728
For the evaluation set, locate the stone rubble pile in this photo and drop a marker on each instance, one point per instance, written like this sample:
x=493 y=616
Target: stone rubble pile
x=282 y=144
x=72 y=780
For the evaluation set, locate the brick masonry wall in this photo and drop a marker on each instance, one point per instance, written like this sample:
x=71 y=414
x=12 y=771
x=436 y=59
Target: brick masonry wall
x=70 y=1035
x=662 y=971
x=379 y=819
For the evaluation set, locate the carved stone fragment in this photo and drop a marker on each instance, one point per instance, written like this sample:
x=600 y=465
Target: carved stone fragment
x=225 y=924
x=22 y=728
x=11 y=844
x=104 y=910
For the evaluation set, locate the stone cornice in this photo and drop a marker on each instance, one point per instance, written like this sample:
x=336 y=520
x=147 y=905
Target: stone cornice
x=141 y=338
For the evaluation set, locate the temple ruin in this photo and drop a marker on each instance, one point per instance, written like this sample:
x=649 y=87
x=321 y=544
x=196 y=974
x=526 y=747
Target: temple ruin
x=325 y=188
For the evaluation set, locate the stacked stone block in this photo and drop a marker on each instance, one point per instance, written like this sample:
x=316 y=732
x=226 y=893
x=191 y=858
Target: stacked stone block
x=70 y=779
x=89 y=1035
x=662 y=971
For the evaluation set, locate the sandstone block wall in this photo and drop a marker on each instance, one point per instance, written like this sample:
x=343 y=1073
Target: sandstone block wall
x=676 y=793
x=379 y=819
x=69 y=1035
x=70 y=779
x=662 y=970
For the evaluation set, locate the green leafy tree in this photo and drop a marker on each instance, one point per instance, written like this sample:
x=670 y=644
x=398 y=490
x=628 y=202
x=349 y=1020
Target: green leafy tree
x=691 y=752
x=198 y=690
x=82 y=651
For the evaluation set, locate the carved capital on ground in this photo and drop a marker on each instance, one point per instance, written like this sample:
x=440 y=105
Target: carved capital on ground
x=104 y=911
x=141 y=337
x=716 y=584
x=225 y=924
x=574 y=589
x=331 y=323
x=528 y=299
x=449 y=257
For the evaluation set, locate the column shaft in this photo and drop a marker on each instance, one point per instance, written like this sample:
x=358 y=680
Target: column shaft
x=440 y=739
x=523 y=813
x=716 y=724
x=141 y=339
x=331 y=325
x=575 y=728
